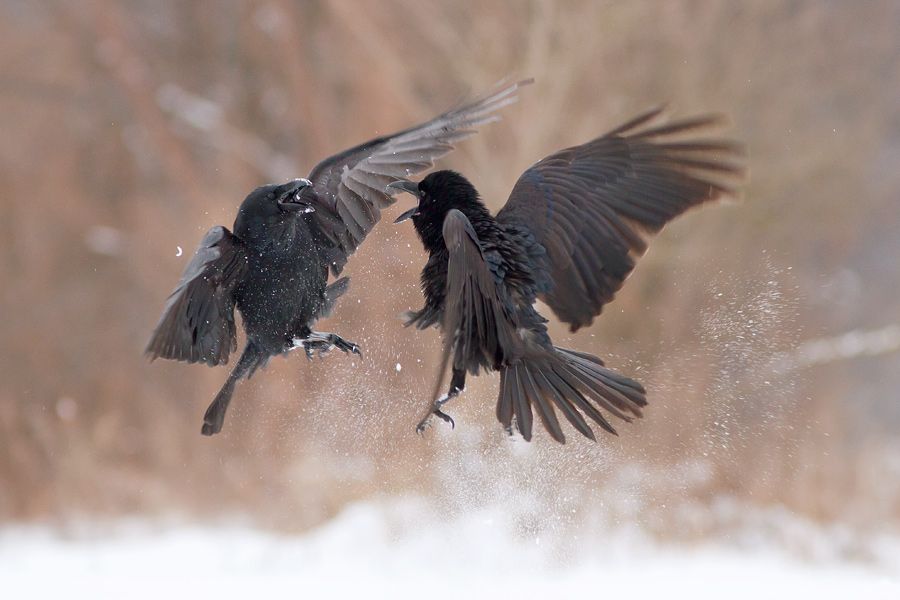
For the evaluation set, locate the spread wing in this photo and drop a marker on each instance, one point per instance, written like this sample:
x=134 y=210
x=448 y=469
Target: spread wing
x=350 y=185
x=198 y=321
x=593 y=206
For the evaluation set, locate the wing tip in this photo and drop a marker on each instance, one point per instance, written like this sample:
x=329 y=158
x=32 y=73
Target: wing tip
x=503 y=87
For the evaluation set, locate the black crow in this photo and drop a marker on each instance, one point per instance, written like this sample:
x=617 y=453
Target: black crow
x=274 y=266
x=569 y=235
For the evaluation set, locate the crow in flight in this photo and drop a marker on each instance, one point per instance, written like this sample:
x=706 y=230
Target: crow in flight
x=274 y=266
x=569 y=235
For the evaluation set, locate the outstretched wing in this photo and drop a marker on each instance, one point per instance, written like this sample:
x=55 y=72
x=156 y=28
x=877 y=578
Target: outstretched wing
x=351 y=185
x=198 y=321
x=592 y=206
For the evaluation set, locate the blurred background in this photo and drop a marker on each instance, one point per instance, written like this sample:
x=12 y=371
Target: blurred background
x=766 y=330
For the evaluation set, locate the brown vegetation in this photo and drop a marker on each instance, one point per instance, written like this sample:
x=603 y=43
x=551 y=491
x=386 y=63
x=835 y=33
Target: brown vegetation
x=129 y=128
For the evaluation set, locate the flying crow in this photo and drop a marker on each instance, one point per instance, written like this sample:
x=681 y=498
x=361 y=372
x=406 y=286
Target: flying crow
x=569 y=235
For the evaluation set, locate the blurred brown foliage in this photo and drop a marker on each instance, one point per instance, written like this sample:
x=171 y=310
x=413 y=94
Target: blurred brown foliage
x=129 y=128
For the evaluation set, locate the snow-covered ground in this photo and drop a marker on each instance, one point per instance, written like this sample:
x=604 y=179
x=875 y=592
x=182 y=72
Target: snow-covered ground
x=399 y=550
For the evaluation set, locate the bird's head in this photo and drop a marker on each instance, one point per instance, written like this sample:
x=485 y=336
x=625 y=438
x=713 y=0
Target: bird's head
x=435 y=196
x=272 y=209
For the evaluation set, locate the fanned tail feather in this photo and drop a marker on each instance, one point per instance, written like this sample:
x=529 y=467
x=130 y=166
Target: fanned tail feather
x=576 y=383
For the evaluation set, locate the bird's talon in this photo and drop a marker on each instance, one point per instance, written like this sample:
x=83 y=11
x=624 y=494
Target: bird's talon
x=445 y=417
x=423 y=425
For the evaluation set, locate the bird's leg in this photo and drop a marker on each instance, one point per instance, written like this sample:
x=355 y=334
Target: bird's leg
x=311 y=348
x=457 y=385
x=322 y=342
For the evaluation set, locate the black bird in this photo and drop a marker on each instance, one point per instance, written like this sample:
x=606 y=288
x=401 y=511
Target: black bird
x=569 y=235
x=274 y=266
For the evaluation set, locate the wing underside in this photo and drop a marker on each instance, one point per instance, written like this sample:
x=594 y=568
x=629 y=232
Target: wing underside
x=351 y=185
x=593 y=206
x=197 y=324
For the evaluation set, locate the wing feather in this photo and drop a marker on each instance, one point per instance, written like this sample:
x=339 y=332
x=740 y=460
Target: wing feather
x=350 y=186
x=592 y=207
x=478 y=319
x=197 y=324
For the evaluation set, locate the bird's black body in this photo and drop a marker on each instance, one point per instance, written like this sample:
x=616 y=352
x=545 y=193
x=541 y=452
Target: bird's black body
x=274 y=268
x=510 y=253
x=569 y=235
x=284 y=288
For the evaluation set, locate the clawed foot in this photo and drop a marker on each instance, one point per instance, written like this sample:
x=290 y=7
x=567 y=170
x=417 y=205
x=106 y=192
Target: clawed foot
x=437 y=412
x=322 y=343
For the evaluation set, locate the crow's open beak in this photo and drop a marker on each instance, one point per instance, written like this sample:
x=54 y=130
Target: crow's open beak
x=293 y=197
x=409 y=187
x=414 y=211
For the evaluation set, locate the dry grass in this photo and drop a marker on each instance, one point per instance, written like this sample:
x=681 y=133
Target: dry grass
x=131 y=128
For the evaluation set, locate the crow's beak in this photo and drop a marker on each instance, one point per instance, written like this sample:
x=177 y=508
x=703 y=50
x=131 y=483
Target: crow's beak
x=409 y=187
x=402 y=185
x=414 y=211
x=294 y=197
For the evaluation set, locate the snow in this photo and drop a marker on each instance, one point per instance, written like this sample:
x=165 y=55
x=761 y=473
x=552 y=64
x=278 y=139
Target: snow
x=405 y=549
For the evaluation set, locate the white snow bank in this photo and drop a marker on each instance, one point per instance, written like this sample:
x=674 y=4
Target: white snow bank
x=406 y=550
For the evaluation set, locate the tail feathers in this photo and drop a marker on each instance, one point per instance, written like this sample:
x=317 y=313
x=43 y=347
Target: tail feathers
x=214 y=417
x=251 y=359
x=574 y=382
